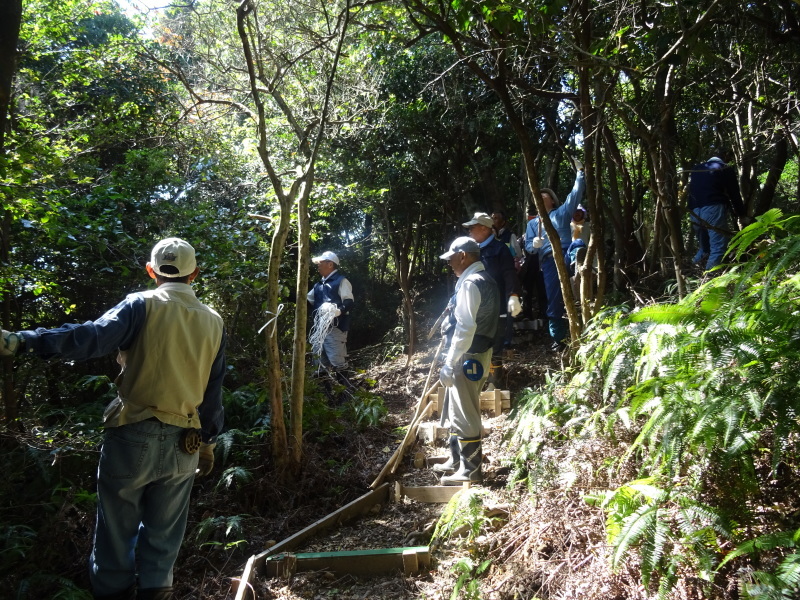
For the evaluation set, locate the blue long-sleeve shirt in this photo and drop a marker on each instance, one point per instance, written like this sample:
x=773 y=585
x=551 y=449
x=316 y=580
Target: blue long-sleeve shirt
x=561 y=217
x=116 y=330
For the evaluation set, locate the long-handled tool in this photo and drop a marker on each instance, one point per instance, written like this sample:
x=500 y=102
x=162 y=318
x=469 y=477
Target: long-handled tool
x=411 y=433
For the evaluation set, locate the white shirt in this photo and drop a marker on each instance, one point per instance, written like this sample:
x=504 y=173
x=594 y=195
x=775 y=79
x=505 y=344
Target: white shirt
x=468 y=300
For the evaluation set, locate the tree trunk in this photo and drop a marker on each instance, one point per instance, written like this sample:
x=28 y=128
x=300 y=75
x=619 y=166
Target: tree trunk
x=767 y=193
x=589 y=127
x=10 y=21
x=274 y=372
x=300 y=320
x=401 y=253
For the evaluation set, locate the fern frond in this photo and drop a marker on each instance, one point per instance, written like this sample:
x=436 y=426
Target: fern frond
x=635 y=527
x=779 y=539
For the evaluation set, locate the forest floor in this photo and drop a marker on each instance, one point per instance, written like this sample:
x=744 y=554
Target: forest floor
x=550 y=544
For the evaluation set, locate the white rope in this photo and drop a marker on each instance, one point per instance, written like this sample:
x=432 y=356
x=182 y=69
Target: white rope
x=265 y=325
x=323 y=323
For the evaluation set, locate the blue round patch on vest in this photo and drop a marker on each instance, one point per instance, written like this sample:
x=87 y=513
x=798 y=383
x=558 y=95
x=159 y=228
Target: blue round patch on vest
x=473 y=369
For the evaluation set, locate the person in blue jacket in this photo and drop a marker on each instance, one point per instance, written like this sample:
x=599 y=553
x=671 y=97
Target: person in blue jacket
x=537 y=241
x=161 y=428
x=713 y=193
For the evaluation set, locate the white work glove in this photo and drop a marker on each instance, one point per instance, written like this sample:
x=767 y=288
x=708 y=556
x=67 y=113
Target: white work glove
x=9 y=344
x=447 y=377
x=514 y=307
x=576 y=162
x=336 y=310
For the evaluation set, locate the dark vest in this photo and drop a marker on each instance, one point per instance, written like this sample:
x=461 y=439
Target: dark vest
x=505 y=237
x=329 y=292
x=486 y=319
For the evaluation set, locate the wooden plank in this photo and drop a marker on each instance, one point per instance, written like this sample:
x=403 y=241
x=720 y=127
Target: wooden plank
x=431 y=432
x=352 y=562
x=488 y=401
x=430 y=493
x=489 y=395
x=430 y=408
x=487 y=404
x=242 y=585
x=355 y=508
x=410 y=561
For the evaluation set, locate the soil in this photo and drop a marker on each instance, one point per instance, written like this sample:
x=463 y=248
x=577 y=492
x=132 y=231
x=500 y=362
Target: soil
x=550 y=544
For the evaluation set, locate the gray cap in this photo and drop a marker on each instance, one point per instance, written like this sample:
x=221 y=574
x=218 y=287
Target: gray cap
x=462 y=244
x=480 y=218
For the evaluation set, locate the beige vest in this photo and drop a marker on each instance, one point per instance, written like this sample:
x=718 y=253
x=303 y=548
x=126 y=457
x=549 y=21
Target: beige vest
x=165 y=371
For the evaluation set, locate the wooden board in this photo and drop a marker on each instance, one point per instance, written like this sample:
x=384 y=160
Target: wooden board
x=411 y=435
x=440 y=494
x=494 y=401
x=352 y=562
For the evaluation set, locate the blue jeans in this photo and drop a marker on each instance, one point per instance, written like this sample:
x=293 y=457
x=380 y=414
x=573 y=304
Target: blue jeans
x=555 y=300
x=711 y=243
x=143 y=484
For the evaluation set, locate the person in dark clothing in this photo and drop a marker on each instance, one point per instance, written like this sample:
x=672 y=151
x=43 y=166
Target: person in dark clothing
x=504 y=234
x=497 y=259
x=713 y=192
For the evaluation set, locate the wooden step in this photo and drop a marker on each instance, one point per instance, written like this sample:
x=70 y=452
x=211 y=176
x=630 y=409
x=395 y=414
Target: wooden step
x=435 y=494
x=495 y=401
x=409 y=560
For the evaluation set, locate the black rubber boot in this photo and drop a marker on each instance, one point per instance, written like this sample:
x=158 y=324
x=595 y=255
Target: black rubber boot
x=155 y=594
x=451 y=464
x=471 y=452
x=129 y=594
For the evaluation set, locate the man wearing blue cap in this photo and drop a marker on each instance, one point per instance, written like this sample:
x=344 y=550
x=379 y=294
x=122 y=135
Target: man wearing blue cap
x=470 y=330
x=713 y=193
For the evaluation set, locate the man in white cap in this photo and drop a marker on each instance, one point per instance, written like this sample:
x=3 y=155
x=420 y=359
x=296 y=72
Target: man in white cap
x=332 y=297
x=471 y=326
x=499 y=262
x=160 y=429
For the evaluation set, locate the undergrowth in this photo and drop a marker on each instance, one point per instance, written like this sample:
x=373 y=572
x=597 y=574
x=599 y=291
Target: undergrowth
x=695 y=403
